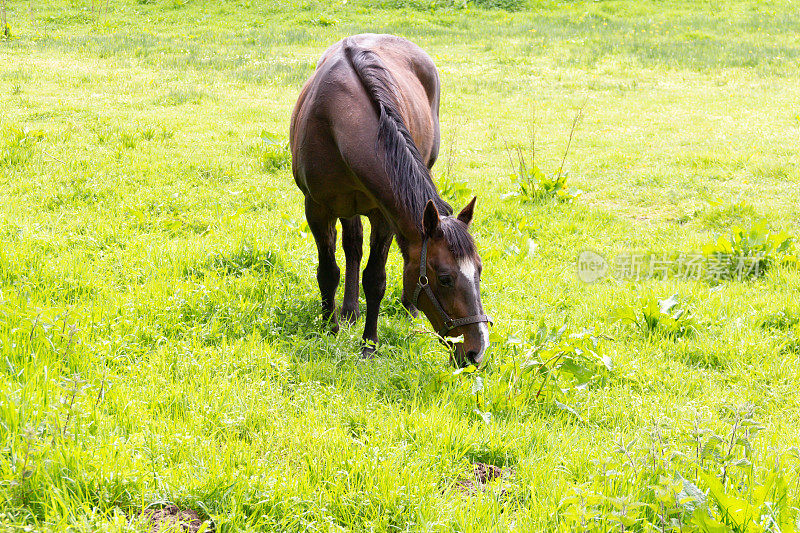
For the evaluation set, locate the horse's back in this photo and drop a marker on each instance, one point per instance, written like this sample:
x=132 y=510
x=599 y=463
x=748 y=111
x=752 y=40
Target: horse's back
x=335 y=123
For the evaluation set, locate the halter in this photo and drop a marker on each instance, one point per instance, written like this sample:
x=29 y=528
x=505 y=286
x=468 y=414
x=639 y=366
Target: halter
x=422 y=285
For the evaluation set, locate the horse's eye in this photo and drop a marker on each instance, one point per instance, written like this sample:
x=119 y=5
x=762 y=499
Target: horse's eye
x=446 y=280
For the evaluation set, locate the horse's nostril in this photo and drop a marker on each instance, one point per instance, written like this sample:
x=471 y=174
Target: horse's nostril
x=472 y=356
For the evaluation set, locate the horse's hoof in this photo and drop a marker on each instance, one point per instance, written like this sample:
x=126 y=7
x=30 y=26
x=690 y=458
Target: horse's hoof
x=350 y=315
x=368 y=351
x=332 y=326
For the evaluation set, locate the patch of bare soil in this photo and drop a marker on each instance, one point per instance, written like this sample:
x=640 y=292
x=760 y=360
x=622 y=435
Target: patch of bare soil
x=482 y=474
x=170 y=516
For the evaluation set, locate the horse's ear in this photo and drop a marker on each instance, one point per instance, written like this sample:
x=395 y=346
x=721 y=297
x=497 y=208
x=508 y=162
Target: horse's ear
x=465 y=215
x=430 y=220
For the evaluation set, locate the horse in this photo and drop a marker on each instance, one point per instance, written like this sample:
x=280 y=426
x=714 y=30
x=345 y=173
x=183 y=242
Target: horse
x=364 y=135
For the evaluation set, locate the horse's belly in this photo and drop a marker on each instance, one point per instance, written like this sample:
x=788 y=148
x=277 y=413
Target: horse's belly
x=348 y=204
x=357 y=203
x=364 y=203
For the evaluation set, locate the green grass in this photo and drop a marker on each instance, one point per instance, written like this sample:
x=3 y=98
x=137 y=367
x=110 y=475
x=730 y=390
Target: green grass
x=160 y=331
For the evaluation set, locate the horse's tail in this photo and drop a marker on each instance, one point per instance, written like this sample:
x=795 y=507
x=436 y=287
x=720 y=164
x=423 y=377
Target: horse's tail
x=409 y=176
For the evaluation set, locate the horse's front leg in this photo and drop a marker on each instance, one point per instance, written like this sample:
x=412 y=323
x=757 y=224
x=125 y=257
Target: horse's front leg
x=323 y=227
x=352 y=242
x=410 y=309
x=380 y=239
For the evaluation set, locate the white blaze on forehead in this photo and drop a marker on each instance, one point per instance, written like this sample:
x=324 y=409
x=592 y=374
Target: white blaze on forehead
x=484 y=328
x=467 y=268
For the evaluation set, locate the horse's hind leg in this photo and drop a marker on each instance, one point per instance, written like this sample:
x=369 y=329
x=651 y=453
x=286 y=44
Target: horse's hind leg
x=380 y=239
x=323 y=227
x=352 y=242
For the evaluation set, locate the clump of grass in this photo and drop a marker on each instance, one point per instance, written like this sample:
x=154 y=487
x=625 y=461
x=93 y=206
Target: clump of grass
x=128 y=140
x=324 y=20
x=787 y=324
x=165 y=134
x=178 y=97
x=507 y=5
x=104 y=133
x=747 y=252
x=696 y=477
x=701 y=354
x=533 y=184
x=453 y=189
x=721 y=215
x=668 y=317
x=242 y=260
x=271 y=152
x=437 y=5
x=17 y=145
x=782 y=320
x=5 y=29
x=541 y=370
x=148 y=133
x=557 y=360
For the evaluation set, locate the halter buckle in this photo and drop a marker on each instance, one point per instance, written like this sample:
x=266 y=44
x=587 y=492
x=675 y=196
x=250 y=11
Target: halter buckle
x=423 y=281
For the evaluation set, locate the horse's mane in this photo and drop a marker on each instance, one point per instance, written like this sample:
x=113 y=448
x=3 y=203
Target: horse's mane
x=457 y=237
x=409 y=177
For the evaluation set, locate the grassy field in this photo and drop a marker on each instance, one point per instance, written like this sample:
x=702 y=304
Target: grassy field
x=160 y=337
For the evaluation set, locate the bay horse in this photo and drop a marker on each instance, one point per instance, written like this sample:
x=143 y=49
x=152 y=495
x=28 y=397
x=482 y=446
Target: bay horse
x=364 y=135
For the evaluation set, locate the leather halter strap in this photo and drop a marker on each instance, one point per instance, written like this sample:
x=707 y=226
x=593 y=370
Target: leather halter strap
x=423 y=285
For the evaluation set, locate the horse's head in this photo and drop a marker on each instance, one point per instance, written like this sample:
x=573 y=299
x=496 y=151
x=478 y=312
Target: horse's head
x=441 y=277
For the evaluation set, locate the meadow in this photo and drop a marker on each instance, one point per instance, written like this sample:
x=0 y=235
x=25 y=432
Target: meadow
x=160 y=331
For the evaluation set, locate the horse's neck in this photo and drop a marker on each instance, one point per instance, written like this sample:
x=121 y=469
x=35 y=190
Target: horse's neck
x=404 y=244
x=406 y=230
x=406 y=222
